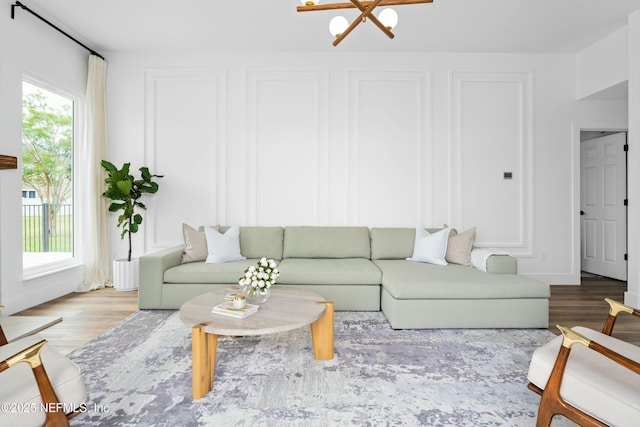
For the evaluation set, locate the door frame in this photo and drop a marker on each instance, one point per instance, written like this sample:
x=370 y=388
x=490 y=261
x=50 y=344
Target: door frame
x=577 y=127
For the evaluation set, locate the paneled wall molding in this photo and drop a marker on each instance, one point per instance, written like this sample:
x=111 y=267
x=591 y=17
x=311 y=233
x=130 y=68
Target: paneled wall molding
x=184 y=128
x=390 y=117
x=492 y=131
x=287 y=121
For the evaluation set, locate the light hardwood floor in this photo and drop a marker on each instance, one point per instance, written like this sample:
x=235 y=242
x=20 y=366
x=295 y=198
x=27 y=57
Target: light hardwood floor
x=84 y=316
x=87 y=315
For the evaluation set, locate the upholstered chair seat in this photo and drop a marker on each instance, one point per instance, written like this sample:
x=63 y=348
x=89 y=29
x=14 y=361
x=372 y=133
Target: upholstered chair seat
x=593 y=383
x=590 y=377
x=19 y=392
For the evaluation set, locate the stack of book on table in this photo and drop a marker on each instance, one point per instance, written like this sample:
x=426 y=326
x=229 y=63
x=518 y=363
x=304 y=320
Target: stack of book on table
x=227 y=309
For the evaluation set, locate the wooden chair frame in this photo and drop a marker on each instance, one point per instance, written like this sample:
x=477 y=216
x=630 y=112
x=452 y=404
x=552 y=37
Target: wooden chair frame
x=55 y=415
x=551 y=403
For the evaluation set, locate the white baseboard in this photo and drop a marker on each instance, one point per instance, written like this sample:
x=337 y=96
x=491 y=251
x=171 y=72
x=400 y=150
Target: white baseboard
x=632 y=299
x=554 y=279
x=41 y=289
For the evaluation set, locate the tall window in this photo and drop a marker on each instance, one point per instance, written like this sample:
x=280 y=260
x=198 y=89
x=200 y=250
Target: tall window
x=47 y=175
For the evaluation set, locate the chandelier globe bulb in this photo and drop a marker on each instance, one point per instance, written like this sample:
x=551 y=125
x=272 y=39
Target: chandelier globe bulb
x=337 y=25
x=389 y=18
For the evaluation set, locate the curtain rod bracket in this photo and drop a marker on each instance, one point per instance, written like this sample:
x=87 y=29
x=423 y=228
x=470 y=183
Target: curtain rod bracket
x=23 y=7
x=13 y=9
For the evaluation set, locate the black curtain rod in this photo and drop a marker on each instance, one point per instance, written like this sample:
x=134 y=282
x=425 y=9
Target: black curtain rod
x=22 y=6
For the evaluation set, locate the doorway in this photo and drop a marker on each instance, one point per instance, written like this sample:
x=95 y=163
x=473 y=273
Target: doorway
x=603 y=203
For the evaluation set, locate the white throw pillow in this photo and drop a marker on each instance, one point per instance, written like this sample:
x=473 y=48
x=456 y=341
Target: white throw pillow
x=431 y=248
x=223 y=247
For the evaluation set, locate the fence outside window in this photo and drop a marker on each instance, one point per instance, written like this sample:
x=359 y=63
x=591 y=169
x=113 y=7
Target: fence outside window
x=47 y=228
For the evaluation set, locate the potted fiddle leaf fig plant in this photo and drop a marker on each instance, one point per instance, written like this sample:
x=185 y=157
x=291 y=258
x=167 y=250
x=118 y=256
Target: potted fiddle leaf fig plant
x=125 y=191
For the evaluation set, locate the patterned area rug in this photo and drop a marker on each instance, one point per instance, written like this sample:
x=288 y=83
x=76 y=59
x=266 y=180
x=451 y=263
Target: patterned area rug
x=139 y=373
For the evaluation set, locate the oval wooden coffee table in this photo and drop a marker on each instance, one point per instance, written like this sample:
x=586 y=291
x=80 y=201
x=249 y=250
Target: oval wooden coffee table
x=287 y=309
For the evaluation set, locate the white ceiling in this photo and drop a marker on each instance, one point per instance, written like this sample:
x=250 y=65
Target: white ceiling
x=527 y=26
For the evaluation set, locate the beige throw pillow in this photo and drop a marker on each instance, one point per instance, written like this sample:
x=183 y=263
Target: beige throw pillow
x=195 y=245
x=460 y=246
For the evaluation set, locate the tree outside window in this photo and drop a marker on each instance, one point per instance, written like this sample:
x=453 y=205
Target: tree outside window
x=47 y=169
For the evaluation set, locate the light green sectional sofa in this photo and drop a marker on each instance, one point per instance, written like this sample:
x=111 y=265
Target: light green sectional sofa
x=360 y=269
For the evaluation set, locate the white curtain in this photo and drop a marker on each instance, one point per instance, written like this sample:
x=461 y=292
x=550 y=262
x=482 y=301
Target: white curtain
x=95 y=217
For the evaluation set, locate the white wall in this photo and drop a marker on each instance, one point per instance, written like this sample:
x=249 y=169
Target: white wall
x=602 y=69
x=632 y=296
x=603 y=65
x=369 y=139
x=28 y=46
x=339 y=139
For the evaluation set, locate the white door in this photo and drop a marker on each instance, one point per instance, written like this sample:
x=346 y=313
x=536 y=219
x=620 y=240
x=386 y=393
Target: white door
x=603 y=206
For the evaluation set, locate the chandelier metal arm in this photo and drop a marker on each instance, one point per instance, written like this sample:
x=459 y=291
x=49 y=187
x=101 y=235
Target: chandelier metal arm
x=333 y=6
x=367 y=12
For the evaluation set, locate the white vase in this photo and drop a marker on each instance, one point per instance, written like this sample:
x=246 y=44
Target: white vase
x=125 y=274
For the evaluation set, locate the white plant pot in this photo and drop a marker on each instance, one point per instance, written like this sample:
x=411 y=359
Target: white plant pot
x=125 y=274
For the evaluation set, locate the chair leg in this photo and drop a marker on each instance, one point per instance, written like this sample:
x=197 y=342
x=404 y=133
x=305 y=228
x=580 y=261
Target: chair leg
x=544 y=417
x=609 y=324
x=55 y=414
x=551 y=403
x=3 y=338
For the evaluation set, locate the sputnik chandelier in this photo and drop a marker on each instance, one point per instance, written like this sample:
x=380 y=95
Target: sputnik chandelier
x=340 y=27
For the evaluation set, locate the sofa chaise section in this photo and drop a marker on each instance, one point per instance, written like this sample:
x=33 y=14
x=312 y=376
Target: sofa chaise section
x=421 y=295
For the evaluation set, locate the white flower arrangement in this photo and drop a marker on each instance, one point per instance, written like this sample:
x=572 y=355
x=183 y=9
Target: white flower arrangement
x=258 y=278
